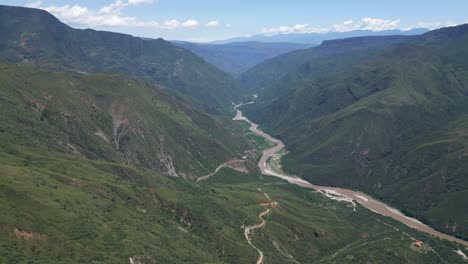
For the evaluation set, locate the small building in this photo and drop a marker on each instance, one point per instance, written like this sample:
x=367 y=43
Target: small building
x=418 y=243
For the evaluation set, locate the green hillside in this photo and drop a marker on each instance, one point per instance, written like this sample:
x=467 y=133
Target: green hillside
x=36 y=37
x=329 y=57
x=391 y=124
x=103 y=135
x=113 y=118
x=81 y=164
x=63 y=209
x=82 y=158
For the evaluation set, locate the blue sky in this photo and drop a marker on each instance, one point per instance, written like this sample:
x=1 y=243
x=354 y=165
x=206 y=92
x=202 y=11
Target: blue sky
x=206 y=20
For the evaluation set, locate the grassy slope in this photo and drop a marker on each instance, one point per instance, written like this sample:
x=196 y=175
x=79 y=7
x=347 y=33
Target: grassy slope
x=63 y=208
x=392 y=126
x=113 y=118
x=36 y=37
x=85 y=211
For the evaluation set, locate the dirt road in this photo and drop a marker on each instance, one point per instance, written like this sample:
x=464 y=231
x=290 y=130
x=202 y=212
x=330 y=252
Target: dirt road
x=249 y=229
x=339 y=194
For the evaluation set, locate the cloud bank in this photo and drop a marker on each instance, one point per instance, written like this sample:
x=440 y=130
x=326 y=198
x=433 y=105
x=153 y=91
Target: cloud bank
x=111 y=16
x=368 y=23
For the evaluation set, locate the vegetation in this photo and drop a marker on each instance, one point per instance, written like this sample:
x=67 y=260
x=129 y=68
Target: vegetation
x=36 y=37
x=391 y=124
x=331 y=56
x=60 y=208
x=113 y=118
x=86 y=150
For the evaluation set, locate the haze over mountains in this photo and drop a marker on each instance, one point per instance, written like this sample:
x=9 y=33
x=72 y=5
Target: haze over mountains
x=103 y=137
x=236 y=58
x=317 y=38
x=237 y=55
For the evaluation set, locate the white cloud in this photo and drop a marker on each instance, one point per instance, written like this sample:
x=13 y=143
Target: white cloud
x=35 y=4
x=213 y=23
x=435 y=25
x=298 y=28
x=368 y=23
x=105 y=17
x=111 y=15
x=345 y=26
x=118 y=5
x=174 y=24
x=113 y=8
x=228 y=25
x=139 y=2
x=69 y=13
x=376 y=24
x=191 y=23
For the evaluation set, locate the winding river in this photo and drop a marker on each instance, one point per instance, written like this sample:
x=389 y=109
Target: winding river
x=332 y=192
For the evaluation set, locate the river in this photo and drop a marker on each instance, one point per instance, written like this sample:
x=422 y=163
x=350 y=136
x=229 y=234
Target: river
x=333 y=192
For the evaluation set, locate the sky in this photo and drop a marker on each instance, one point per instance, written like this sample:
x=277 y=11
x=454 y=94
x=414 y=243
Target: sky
x=208 y=20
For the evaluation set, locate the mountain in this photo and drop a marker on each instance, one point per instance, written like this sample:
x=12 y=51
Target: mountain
x=330 y=56
x=317 y=38
x=83 y=159
x=62 y=209
x=235 y=58
x=113 y=118
x=35 y=37
x=391 y=124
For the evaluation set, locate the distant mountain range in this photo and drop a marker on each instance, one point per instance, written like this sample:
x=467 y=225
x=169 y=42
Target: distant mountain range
x=317 y=38
x=237 y=57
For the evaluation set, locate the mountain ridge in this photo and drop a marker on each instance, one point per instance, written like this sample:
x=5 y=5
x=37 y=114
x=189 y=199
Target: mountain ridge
x=389 y=124
x=36 y=37
x=317 y=38
x=114 y=118
x=270 y=71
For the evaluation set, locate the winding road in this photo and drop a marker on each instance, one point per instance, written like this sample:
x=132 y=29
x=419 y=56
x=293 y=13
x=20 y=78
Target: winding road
x=248 y=229
x=332 y=192
x=226 y=164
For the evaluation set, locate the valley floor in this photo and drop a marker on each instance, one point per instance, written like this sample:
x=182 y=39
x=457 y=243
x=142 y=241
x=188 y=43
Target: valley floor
x=270 y=164
x=66 y=209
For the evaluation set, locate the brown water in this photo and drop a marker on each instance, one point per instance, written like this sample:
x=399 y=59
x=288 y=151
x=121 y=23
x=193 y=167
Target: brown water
x=336 y=193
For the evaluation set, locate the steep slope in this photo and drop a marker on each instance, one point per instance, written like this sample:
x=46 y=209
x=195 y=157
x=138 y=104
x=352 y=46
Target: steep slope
x=237 y=57
x=110 y=117
x=66 y=196
x=62 y=209
x=392 y=125
x=36 y=37
x=330 y=56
